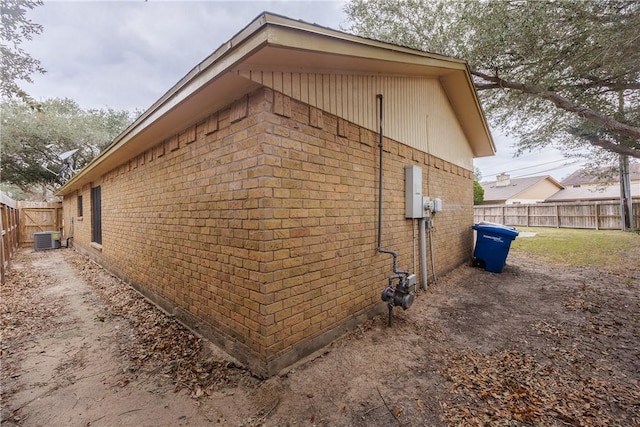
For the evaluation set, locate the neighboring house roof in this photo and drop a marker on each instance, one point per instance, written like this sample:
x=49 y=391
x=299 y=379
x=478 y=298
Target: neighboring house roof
x=273 y=42
x=592 y=192
x=585 y=177
x=516 y=188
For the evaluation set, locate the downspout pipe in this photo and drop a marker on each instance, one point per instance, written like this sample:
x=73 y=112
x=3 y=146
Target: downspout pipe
x=398 y=273
x=423 y=253
x=433 y=262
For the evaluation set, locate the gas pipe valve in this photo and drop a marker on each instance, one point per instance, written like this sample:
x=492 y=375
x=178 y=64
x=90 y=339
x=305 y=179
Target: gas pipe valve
x=402 y=295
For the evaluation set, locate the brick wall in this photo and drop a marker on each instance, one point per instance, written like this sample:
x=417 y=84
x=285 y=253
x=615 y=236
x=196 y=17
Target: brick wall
x=258 y=226
x=75 y=225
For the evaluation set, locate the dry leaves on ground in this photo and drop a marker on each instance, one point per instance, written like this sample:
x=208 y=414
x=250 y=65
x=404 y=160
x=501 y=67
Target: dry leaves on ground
x=157 y=342
x=511 y=388
x=581 y=371
x=23 y=311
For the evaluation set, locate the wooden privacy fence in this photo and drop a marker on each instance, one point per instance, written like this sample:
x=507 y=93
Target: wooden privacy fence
x=9 y=219
x=36 y=217
x=19 y=220
x=594 y=215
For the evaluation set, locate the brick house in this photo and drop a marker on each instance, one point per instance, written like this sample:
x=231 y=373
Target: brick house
x=244 y=201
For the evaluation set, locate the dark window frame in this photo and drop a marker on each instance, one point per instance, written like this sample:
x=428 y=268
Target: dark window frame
x=80 y=210
x=96 y=215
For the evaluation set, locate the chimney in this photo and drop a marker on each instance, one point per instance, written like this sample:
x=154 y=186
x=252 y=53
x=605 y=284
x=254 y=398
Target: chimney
x=503 y=180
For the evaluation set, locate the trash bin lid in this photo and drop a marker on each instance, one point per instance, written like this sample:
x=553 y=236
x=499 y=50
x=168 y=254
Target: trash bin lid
x=496 y=229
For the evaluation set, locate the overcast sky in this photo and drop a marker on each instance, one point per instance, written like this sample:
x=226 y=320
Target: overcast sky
x=127 y=54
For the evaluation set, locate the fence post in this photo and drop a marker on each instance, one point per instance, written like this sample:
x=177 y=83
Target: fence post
x=4 y=263
x=9 y=229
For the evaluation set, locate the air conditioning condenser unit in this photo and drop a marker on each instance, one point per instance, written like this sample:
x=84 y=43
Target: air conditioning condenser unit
x=46 y=240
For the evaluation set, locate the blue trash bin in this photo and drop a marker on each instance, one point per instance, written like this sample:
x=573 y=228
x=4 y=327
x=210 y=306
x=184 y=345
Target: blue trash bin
x=492 y=246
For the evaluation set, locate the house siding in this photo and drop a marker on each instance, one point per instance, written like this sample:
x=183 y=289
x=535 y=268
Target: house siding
x=417 y=112
x=257 y=226
x=537 y=193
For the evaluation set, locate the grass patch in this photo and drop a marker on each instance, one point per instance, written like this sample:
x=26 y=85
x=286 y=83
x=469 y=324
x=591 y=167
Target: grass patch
x=574 y=248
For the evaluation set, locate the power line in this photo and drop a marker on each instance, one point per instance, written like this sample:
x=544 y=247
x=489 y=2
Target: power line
x=548 y=170
x=534 y=166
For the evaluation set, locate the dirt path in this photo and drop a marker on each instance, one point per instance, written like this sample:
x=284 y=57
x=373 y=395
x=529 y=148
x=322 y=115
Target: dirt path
x=70 y=374
x=535 y=345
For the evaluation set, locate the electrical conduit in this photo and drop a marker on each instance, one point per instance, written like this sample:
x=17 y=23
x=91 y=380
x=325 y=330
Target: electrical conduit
x=398 y=273
x=423 y=252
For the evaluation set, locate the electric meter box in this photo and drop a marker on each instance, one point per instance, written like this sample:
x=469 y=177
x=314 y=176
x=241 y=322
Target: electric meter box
x=414 y=207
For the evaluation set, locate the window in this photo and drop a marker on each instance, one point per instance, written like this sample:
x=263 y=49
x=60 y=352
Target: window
x=79 y=206
x=96 y=215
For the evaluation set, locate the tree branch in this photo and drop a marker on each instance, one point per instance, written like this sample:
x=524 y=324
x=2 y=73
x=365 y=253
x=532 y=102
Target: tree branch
x=610 y=146
x=563 y=103
x=609 y=84
x=487 y=86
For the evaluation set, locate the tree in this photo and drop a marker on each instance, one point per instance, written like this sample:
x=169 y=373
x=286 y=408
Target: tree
x=15 y=64
x=34 y=139
x=478 y=191
x=560 y=73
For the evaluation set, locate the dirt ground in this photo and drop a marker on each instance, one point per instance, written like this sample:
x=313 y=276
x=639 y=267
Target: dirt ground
x=536 y=345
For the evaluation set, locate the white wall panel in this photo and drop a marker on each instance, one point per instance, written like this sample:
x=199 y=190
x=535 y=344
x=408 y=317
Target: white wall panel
x=416 y=109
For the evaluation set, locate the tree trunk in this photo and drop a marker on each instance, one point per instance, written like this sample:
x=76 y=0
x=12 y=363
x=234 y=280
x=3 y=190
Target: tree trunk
x=626 y=203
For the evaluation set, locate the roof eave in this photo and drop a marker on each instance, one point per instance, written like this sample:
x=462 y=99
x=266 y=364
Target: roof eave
x=272 y=30
x=221 y=60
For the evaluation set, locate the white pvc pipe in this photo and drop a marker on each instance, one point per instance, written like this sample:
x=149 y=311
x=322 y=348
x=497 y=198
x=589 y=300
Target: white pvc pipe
x=433 y=264
x=423 y=252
